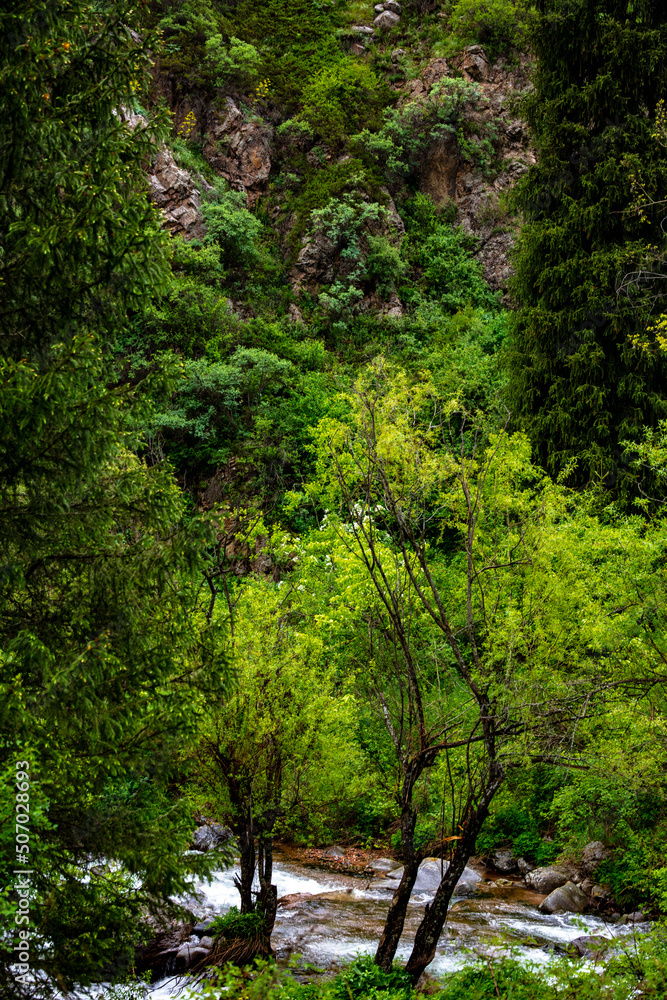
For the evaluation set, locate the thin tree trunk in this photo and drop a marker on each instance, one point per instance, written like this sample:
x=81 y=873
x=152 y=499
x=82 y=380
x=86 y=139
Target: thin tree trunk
x=435 y=913
x=395 y=919
x=246 y=843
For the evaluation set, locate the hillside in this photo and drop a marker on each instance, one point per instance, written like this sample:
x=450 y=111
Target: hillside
x=333 y=498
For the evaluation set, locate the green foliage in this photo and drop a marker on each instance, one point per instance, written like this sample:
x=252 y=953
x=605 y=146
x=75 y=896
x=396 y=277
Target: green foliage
x=498 y=24
x=363 y=980
x=196 y=49
x=99 y=630
x=233 y=924
x=578 y=382
x=340 y=99
x=231 y=226
x=406 y=133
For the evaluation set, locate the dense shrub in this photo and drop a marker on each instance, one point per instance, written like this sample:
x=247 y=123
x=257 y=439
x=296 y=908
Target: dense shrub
x=498 y=24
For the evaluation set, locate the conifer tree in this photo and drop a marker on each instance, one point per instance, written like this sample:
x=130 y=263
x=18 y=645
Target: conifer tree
x=579 y=384
x=102 y=667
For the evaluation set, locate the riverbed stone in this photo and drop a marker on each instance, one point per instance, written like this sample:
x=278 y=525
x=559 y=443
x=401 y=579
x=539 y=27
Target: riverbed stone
x=335 y=852
x=504 y=860
x=211 y=835
x=548 y=878
x=202 y=927
x=206 y=942
x=566 y=898
x=590 y=946
x=429 y=876
x=384 y=864
x=524 y=866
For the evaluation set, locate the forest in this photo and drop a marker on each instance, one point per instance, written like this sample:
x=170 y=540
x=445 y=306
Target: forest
x=333 y=499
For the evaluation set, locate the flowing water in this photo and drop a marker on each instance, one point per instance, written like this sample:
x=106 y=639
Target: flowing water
x=328 y=918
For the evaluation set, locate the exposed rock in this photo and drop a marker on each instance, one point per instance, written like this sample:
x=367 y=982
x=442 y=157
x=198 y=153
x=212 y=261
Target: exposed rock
x=174 y=191
x=293 y=899
x=396 y=55
x=387 y=19
x=239 y=151
x=548 y=878
x=436 y=70
x=393 y=6
x=566 y=898
x=378 y=8
x=593 y=854
x=524 y=866
x=158 y=953
x=362 y=29
x=600 y=895
x=294 y=313
x=210 y=836
x=394 y=308
x=474 y=64
x=206 y=942
x=633 y=918
x=504 y=860
x=357 y=49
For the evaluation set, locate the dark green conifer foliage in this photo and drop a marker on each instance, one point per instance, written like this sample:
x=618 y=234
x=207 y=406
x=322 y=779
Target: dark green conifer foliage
x=102 y=667
x=578 y=384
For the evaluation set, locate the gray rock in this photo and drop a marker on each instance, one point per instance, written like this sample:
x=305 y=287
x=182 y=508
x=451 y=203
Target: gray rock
x=504 y=860
x=593 y=854
x=362 y=29
x=174 y=191
x=384 y=865
x=430 y=874
x=210 y=836
x=591 y=946
x=295 y=313
x=393 y=6
x=201 y=928
x=566 y=898
x=335 y=852
x=396 y=54
x=379 y=7
x=206 y=942
x=387 y=19
x=548 y=878
x=524 y=866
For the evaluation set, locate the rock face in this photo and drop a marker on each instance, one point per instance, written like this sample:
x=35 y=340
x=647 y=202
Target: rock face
x=174 y=191
x=567 y=898
x=210 y=836
x=239 y=151
x=446 y=175
x=548 y=878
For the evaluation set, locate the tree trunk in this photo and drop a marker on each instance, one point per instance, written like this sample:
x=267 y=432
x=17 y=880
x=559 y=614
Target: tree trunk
x=435 y=913
x=246 y=841
x=395 y=920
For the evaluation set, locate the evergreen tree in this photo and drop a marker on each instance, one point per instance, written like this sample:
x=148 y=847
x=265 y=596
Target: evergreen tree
x=579 y=384
x=102 y=666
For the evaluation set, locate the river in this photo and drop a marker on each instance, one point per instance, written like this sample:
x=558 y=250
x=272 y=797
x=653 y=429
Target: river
x=332 y=917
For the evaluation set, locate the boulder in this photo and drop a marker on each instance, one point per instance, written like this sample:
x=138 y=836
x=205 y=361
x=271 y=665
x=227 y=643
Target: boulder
x=393 y=6
x=210 y=835
x=335 y=852
x=384 y=864
x=174 y=191
x=357 y=49
x=387 y=19
x=295 y=313
x=362 y=29
x=566 y=898
x=206 y=942
x=591 y=946
x=430 y=874
x=378 y=8
x=202 y=927
x=524 y=866
x=548 y=878
x=593 y=854
x=504 y=860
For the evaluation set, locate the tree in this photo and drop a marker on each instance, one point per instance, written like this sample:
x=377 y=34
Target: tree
x=491 y=663
x=104 y=664
x=579 y=386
